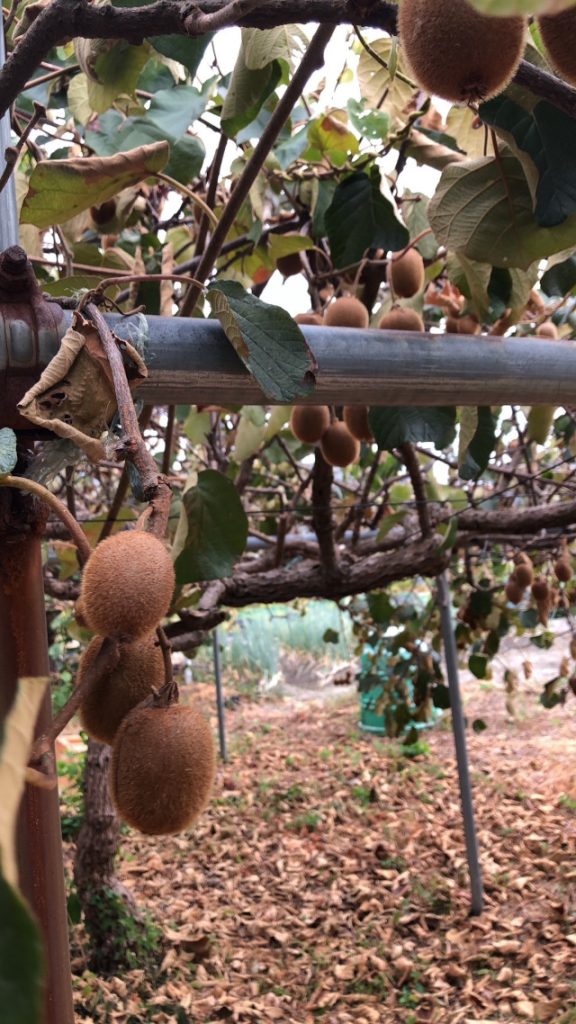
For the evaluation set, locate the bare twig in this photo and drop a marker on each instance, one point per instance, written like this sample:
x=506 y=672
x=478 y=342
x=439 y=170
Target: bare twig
x=39 y=491
x=410 y=460
x=322 y=514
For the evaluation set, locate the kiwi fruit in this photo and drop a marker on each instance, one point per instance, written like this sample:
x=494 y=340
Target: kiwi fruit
x=456 y=53
x=346 y=312
x=127 y=584
x=406 y=274
x=401 y=319
x=544 y=607
x=309 y=318
x=524 y=573
x=162 y=769
x=540 y=420
x=558 y=33
x=563 y=570
x=467 y=324
x=289 y=265
x=140 y=669
x=356 y=419
x=547 y=329
x=308 y=422
x=338 y=446
x=514 y=591
x=540 y=589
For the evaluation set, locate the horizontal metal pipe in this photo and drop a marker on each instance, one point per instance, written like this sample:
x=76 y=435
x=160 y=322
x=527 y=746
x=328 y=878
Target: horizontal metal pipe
x=190 y=361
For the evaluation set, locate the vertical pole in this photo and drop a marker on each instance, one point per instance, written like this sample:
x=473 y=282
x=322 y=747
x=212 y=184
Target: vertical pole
x=219 y=696
x=477 y=895
x=8 y=209
x=24 y=652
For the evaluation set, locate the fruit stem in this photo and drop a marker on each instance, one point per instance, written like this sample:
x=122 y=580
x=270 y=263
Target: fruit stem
x=104 y=663
x=20 y=483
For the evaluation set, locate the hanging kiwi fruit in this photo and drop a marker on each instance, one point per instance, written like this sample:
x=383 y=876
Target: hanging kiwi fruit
x=457 y=53
x=558 y=33
x=406 y=274
x=127 y=585
x=308 y=422
x=356 y=419
x=312 y=319
x=338 y=446
x=140 y=669
x=524 y=571
x=514 y=590
x=401 y=319
x=547 y=329
x=346 y=312
x=162 y=769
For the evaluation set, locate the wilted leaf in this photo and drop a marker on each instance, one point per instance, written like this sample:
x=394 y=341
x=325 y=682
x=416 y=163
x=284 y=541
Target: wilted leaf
x=59 y=189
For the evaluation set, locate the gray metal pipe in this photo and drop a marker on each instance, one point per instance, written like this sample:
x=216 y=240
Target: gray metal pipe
x=9 y=210
x=190 y=361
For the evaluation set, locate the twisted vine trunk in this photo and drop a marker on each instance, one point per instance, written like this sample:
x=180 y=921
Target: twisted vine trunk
x=110 y=914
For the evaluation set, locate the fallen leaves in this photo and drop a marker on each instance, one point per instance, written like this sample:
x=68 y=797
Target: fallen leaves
x=328 y=882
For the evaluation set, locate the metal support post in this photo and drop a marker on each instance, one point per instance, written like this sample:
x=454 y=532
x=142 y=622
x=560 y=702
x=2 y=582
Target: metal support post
x=24 y=652
x=460 y=744
x=8 y=208
x=219 y=696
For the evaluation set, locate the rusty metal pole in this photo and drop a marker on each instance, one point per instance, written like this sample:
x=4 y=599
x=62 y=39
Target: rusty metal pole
x=24 y=652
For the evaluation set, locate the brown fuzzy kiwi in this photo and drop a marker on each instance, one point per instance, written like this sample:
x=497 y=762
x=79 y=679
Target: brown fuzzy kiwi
x=524 y=574
x=309 y=318
x=401 y=319
x=559 y=37
x=139 y=669
x=547 y=329
x=79 y=614
x=289 y=265
x=467 y=324
x=563 y=570
x=456 y=53
x=163 y=767
x=540 y=589
x=127 y=584
x=514 y=591
x=544 y=607
x=338 y=446
x=356 y=419
x=308 y=422
x=346 y=312
x=406 y=274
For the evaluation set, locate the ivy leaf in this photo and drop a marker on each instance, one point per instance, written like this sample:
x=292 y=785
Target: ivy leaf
x=361 y=217
x=393 y=426
x=21 y=964
x=267 y=340
x=217 y=529
x=8 y=453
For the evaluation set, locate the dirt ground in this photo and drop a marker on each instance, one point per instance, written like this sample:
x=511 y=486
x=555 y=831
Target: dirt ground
x=328 y=880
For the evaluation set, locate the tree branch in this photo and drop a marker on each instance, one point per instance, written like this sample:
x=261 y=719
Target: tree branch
x=322 y=514
x=170 y=17
x=410 y=460
x=311 y=60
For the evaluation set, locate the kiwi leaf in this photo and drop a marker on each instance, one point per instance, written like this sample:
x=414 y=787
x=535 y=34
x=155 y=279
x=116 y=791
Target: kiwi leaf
x=393 y=426
x=217 y=529
x=20 y=960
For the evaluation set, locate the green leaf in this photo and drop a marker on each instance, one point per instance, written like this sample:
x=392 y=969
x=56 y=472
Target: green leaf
x=331 y=636
x=117 y=69
x=372 y=124
x=382 y=88
x=267 y=340
x=248 y=90
x=380 y=607
x=21 y=965
x=561 y=277
x=483 y=208
x=474 y=459
x=8 y=453
x=544 y=141
x=360 y=217
x=282 y=43
x=479 y=725
x=478 y=664
x=250 y=432
x=197 y=426
x=441 y=696
x=187 y=50
x=60 y=189
x=217 y=529
x=329 y=137
x=449 y=531
x=393 y=426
